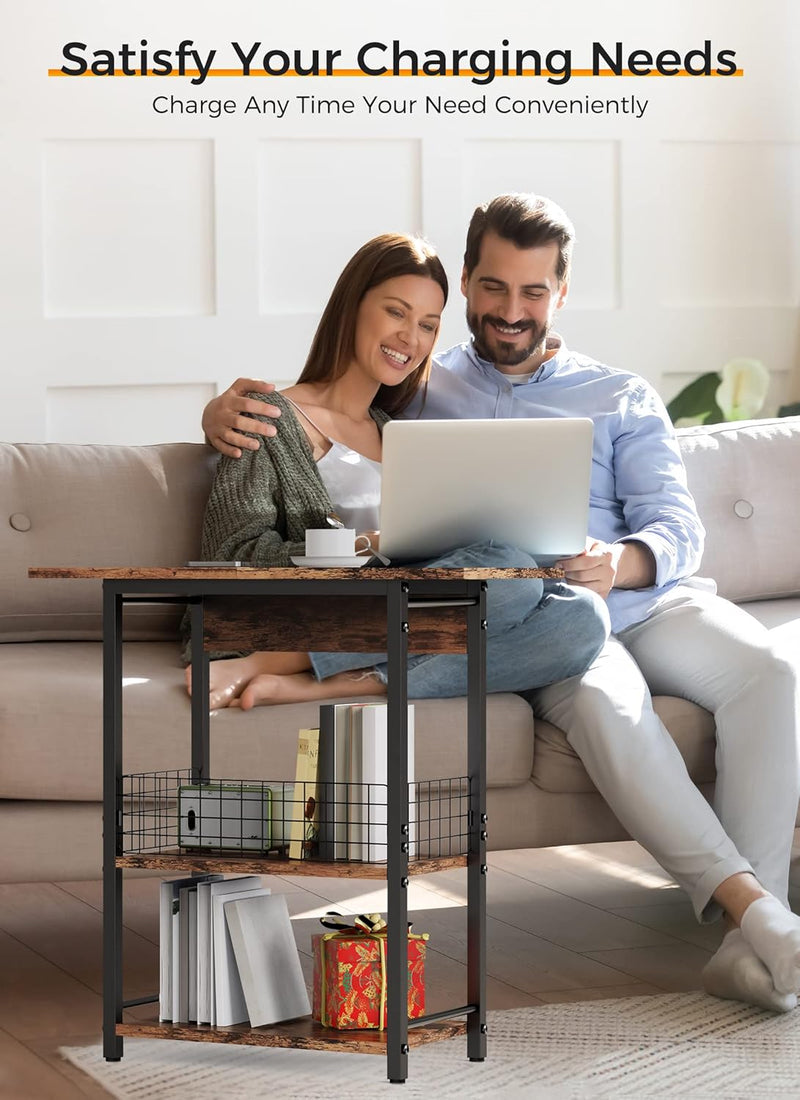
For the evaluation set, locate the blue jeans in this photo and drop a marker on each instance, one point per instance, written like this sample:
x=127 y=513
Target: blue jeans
x=538 y=632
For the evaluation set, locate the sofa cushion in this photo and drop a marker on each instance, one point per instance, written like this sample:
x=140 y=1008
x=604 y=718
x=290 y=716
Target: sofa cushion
x=786 y=639
x=93 y=505
x=557 y=767
x=774 y=613
x=51 y=842
x=260 y=743
x=51 y=723
x=744 y=479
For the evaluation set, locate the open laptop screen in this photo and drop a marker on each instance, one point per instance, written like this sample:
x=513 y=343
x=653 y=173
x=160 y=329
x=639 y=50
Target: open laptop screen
x=450 y=483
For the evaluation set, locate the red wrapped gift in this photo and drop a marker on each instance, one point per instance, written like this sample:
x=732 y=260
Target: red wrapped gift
x=350 y=976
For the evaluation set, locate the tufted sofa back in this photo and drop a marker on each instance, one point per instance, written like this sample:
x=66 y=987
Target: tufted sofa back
x=745 y=478
x=93 y=505
x=90 y=505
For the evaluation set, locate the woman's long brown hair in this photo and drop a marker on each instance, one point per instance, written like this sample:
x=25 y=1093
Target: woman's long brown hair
x=333 y=347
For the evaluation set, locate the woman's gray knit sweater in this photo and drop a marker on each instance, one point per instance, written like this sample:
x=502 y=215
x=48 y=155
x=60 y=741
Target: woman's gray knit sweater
x=261 y=504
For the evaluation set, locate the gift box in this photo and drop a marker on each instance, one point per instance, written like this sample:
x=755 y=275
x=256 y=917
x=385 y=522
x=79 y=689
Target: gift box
x=350 y=977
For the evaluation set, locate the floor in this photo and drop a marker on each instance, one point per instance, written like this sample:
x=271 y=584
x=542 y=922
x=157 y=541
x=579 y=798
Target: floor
x=565 y=924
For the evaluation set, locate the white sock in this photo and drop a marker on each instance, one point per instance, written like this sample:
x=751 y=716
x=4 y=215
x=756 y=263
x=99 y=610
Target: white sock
x=774 y=934
x=736 y=973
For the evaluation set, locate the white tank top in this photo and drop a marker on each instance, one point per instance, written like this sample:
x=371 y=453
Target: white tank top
x=352 y=480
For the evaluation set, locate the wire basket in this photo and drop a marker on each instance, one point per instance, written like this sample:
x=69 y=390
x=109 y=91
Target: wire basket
x=173 y=812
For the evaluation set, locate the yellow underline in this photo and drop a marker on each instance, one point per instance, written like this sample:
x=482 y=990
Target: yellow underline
x=403 y=72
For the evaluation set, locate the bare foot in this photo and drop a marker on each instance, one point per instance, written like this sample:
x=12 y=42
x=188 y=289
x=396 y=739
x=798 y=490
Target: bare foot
x=268 y=689
x=228 y=678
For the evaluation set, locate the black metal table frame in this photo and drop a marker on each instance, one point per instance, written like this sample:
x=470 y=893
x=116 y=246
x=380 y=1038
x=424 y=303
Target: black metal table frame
x=400 y=595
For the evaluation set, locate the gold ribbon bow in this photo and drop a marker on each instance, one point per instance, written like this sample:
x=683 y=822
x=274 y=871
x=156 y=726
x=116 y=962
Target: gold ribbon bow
x=370 y=926
x=362 y=922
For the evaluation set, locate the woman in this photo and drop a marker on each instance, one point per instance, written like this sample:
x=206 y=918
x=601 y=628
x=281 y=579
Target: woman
x=370 y=355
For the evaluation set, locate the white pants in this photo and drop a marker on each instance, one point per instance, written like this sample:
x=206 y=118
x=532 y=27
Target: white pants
x=705 y=649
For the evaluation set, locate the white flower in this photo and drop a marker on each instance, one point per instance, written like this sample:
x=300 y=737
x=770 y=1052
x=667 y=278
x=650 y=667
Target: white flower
x=743 y=389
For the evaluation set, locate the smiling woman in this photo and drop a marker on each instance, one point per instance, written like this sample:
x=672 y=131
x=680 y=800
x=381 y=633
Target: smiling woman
x=394 y=288
x=369 y=357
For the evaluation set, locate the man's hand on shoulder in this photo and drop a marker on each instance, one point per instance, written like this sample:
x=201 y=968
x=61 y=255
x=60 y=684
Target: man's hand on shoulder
x=603 y=566
x=225 y=417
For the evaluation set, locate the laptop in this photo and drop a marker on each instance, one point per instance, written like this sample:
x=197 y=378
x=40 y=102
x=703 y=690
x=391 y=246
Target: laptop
x=449 y=483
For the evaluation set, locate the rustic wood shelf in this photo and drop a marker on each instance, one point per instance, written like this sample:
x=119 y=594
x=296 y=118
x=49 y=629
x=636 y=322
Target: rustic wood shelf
x=304 y=1033
x=276 y=865
x=403 y=602
x=294 y=573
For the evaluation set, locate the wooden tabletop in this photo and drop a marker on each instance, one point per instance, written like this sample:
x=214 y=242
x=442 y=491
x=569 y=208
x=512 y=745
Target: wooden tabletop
x=249 y=572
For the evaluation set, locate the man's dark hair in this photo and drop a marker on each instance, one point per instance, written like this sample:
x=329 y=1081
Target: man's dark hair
x=528 y=221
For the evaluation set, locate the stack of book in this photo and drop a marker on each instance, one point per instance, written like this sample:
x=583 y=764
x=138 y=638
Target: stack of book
x=353 y=781
x=227 y=954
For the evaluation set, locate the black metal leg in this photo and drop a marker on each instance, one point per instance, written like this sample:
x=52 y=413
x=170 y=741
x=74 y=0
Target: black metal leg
x=112 y=825
x=398 y=833
x=476 y=863
x=200 y=689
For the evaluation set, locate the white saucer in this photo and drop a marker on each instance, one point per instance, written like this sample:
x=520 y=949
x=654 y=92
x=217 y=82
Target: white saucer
x=333 y=563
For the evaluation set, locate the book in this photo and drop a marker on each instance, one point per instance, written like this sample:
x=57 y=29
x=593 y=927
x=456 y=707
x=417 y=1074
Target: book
x=373 y=747
x=229 y=1004
x=169 y=897
x=267 y=959
x=180 y=960
x=165 y=952
x=205 y=946
x=303 y=832
x=191 y=952
x=333 y=776
x=175 y=1013
x=356 y=811
x=352 y=785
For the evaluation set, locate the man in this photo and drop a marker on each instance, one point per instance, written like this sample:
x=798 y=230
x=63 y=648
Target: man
x=671 y=635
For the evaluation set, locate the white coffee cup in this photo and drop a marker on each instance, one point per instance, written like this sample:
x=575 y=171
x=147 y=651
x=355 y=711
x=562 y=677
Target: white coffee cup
x=334 y=542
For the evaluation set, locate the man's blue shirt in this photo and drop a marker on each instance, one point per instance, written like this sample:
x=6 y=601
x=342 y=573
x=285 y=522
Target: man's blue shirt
x=638 y=482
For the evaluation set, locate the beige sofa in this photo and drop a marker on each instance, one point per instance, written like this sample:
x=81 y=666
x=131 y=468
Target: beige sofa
x=89 y=505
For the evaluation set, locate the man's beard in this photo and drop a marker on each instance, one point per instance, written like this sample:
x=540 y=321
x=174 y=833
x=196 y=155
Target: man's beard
x=490 y=345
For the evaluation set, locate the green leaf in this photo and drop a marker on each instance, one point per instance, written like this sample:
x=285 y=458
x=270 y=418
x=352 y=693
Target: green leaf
x=698 y=399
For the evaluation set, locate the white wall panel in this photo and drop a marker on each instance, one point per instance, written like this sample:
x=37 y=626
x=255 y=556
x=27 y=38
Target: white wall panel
x=128 y=228
x=583 y=177
x=730 y=224
x=162 y=256
x=318 y=201
x=126 y=414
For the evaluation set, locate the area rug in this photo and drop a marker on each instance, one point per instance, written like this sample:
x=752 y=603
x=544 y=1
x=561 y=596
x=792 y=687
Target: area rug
x=686 y=1045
